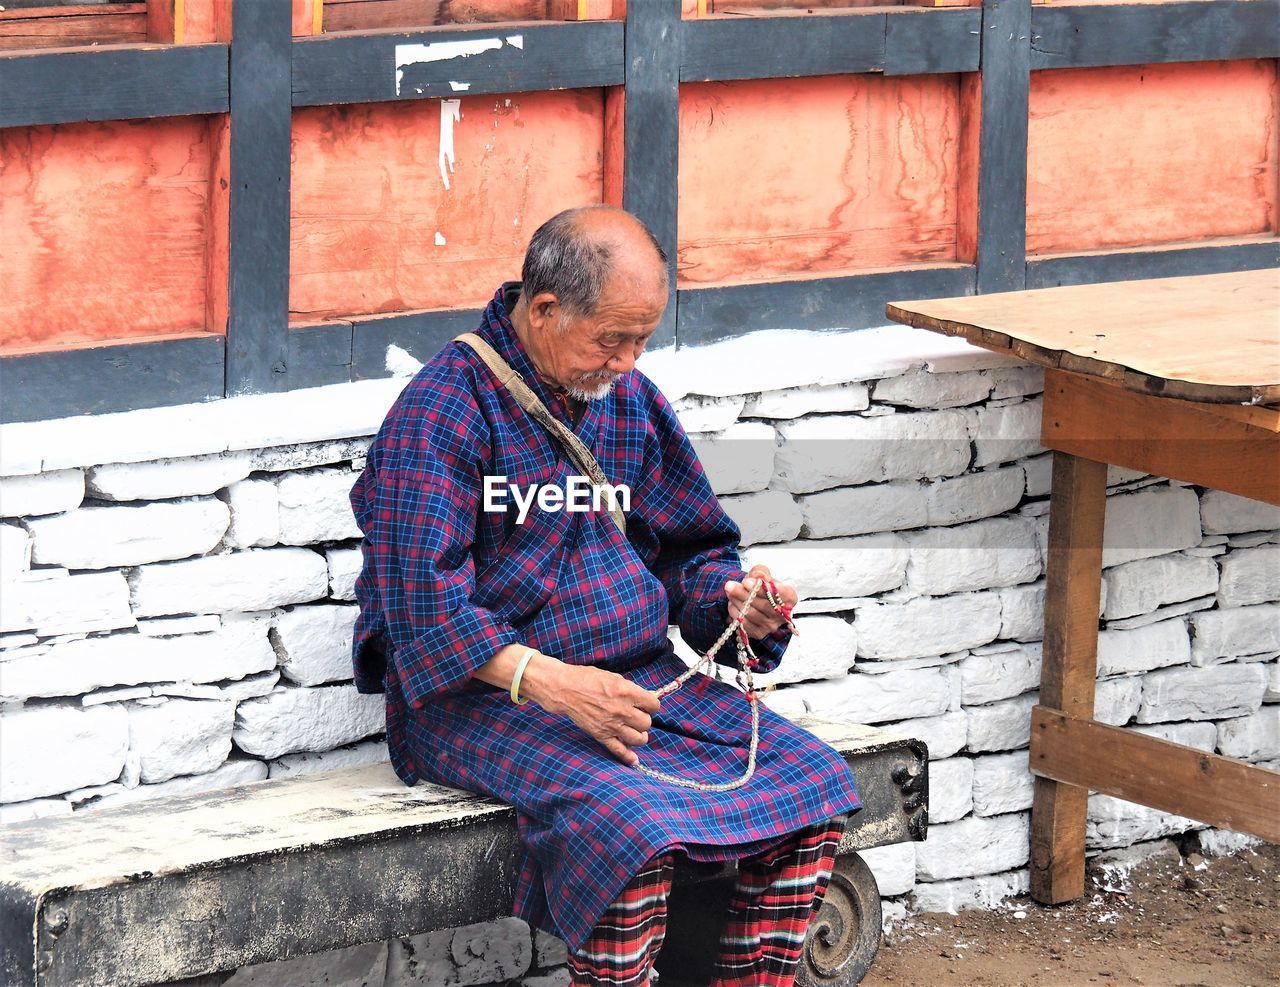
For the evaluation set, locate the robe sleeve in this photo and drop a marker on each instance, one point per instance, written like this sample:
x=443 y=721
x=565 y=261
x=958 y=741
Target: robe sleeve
x=425 y=503
x=697 y=542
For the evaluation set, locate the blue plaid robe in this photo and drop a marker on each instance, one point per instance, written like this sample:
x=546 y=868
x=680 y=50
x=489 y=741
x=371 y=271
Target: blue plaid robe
x=446 y=584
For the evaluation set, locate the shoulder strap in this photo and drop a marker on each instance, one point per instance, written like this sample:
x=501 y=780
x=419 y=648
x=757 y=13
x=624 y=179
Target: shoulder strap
x=572 y=445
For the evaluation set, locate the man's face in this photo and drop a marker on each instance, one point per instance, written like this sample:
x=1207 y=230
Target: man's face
x=589 y=353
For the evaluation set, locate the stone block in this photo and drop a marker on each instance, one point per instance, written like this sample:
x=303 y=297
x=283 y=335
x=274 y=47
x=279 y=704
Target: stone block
x=1116 y=701
x=699 y=413
x=1225 y=843
x=1255 y=737
x=972 y=496
x=16 y=812
x=104 y=537
x=766 y=516
x=1114 y=822
x=943 y=735
x=352 y=966
x=344 y=569
x=836 y=567
x=1144 y=585
x=1155 y=521
x=1022 y=612
x=41 y=493
x=258 y=579
x=988 y=678
x=1202 y=736
x=1163 y=613
x=47 y=750
x=923 y=627
x=979 y=555
x=950 y=790
x=835 y=450
x=953 y=897
x=240 y=647
x=795 y=402
x=15 y=552
x=1272 y=692
x=974 y=846
x=1230 y=632
x=918 y=388
x=548 y=950
x=894 y=695
x=307 y=719
x=1002 y=726
x=1213 y=693
x=303 y=455
x=173 y=626
x=1144 y=648
x=92 y=601
x=485 y=953
x=1226 y=513
x=555 y=978
x=313 y=643
x=1018 y=381
x=237 y=771
x=164 y=479
x=893 y=866
x=182 y=737
x=1002 y=783
x=315 y=506
x=292 y=765
x=1249 y=576
x=738 y=460
x=1039 y=474
x=1007 y=433
x=824 y=648
x=255 y=514
x=871 y=508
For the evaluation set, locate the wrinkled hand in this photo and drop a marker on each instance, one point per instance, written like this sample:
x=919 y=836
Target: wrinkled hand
x=762 y=620
x=610 y=708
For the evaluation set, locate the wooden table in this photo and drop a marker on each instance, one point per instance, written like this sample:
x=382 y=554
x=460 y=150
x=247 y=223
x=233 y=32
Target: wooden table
x=1178 y=377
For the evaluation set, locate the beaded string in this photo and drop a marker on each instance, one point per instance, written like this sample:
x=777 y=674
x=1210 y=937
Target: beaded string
x=747 y=661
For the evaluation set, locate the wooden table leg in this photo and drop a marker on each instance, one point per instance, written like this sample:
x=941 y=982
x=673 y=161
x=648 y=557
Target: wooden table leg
x=1077 y=508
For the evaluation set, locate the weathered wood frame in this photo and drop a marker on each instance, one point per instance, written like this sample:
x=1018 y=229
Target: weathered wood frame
x=1072 y=754
x=647 y=57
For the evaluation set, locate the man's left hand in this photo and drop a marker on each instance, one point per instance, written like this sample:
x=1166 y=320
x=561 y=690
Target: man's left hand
x=762 y=619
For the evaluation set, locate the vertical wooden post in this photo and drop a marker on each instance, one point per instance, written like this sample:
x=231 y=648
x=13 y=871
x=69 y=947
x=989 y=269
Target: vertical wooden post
x=308 y=18
x=1070 y=666
x=258 y=265
x=651 y=126
x=183 y=22
x=1004 y=95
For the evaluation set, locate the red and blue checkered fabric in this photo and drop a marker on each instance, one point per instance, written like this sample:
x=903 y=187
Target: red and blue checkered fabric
x=446 y=584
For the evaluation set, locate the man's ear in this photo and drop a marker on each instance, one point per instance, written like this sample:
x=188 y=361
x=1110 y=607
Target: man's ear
x=544 y=310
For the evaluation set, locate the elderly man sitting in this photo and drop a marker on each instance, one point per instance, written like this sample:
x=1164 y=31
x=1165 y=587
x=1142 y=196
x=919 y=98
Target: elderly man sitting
x=522 y=646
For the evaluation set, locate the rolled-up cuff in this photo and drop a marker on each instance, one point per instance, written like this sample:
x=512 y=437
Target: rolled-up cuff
x=444 y=656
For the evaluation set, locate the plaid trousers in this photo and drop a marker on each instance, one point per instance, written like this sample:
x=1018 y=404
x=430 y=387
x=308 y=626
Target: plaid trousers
x=777 y=894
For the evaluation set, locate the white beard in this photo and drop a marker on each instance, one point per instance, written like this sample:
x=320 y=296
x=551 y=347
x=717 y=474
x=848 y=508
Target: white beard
x=584 y=392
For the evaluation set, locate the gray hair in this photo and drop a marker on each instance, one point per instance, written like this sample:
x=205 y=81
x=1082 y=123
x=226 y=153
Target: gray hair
x=572 y=265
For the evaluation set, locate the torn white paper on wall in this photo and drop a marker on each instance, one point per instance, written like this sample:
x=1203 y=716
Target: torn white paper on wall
x=450 y=113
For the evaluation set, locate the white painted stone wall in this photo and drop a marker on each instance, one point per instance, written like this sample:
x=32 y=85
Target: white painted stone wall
x=177 y=587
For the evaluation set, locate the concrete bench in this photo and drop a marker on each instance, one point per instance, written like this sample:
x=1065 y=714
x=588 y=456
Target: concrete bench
x=188 y=885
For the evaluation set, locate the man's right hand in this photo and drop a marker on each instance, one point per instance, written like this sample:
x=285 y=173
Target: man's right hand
x=616 y=712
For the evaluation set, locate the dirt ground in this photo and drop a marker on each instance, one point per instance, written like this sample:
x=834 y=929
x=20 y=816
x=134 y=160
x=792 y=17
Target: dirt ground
x=1168 y=923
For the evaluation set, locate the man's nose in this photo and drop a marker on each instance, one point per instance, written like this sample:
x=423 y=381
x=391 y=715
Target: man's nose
x=622 y=361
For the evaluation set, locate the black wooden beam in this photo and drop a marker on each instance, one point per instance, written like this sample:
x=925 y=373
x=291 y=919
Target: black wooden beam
x=924 y=41
x=420 y=334
x=125 y=82
x=118 y=377
x=1137 y=34
x=1002 y=145
x=1151 y=262
x=853 y=302
x=258 y=282
x=651 y=133
x=376 y=66
x=319 y=354
x=716 y=49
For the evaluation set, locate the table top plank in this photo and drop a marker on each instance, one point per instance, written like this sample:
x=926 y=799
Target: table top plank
x=1212 y=338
